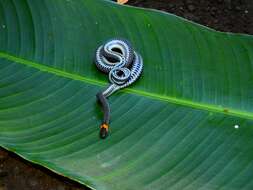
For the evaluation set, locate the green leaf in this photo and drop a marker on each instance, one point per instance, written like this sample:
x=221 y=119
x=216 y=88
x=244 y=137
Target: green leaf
x=186 y=124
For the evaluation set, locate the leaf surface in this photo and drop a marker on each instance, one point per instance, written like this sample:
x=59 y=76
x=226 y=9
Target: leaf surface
x=175 y=128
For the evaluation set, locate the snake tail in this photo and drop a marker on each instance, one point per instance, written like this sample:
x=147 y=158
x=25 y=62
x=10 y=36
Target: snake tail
x=104 y=127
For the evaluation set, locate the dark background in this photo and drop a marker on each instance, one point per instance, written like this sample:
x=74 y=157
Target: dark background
x=223 y=15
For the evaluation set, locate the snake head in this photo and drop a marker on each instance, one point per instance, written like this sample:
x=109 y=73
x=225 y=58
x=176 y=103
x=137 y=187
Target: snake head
x=104 y=128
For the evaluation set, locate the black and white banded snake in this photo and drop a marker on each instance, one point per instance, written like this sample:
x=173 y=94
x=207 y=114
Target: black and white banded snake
x=124 y=65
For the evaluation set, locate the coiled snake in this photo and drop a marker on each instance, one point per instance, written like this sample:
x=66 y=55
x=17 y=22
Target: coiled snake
x=124 y=65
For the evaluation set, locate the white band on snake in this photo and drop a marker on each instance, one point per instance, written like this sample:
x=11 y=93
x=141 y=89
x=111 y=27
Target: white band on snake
x=124 y=66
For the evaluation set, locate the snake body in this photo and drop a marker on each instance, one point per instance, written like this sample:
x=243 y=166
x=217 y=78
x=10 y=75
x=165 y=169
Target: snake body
x=124 y=66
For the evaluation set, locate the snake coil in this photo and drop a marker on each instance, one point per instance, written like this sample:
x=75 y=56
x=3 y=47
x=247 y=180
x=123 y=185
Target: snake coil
x=124 y=65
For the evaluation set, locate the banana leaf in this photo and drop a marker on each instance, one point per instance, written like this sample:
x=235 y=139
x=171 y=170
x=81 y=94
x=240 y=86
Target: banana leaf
x=186 y=124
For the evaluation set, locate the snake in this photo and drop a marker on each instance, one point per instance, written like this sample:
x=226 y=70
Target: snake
x=117 y=58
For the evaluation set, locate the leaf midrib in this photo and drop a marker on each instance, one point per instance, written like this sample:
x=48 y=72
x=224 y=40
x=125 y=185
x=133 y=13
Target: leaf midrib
x=173 y=100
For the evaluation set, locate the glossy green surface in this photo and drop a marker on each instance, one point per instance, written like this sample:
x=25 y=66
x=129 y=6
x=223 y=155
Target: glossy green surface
x=187 y=124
